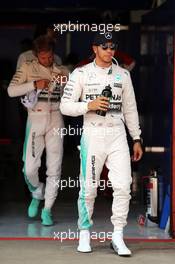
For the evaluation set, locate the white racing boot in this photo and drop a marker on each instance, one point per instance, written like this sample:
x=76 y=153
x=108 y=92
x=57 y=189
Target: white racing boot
x=118 y=244
x=84 y=241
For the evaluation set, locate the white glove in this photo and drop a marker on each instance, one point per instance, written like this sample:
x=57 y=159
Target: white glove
x=30 y=99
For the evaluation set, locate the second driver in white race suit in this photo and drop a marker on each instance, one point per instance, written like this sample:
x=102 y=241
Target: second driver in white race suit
x=104 y=137
x=35 y=78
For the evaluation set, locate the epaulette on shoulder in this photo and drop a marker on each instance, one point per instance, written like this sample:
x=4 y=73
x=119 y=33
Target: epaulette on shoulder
x=80 y=69
x=28 y=62
x=126 y=72
x=57 y=65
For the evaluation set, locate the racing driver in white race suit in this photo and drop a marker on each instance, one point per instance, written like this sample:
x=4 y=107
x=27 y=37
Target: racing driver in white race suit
x=36 y=78
x=104 y=137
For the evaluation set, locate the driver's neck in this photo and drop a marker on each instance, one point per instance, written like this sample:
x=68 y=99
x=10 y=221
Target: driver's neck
x=102 y=64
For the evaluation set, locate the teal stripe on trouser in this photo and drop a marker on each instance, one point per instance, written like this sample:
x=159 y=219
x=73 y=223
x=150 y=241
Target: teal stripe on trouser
x=28 y=128
x=84 y=221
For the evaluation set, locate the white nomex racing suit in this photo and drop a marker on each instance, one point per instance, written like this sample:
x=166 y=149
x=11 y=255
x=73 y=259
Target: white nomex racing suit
x=43 y=118
x=104 y=137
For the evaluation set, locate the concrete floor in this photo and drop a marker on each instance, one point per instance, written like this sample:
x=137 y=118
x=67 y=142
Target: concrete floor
x=14 y=200
x=54 y=252
x=15 y=223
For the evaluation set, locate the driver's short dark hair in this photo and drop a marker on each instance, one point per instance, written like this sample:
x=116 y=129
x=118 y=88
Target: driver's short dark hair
x=43 y=43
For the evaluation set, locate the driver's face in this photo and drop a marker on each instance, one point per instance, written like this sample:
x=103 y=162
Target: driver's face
x=45 y=58
x=104 y=55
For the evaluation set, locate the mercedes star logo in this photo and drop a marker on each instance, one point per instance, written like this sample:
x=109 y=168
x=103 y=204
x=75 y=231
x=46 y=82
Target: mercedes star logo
x=108 y=35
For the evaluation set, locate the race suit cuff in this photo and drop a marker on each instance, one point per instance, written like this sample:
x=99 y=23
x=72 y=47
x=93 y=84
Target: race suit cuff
x=138 y=139
x=30 y=86
x=85 y=108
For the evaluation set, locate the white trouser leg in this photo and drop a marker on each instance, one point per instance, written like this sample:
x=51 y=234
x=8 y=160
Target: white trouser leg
x=92 y=160
x=32 y=152
x=54 y=154
x=118 y=163
x=39 y=192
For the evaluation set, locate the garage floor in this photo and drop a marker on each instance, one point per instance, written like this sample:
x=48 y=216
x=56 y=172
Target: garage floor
x=15 y=223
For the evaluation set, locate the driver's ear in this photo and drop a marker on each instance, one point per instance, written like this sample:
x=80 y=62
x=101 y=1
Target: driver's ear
x=94 y=48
